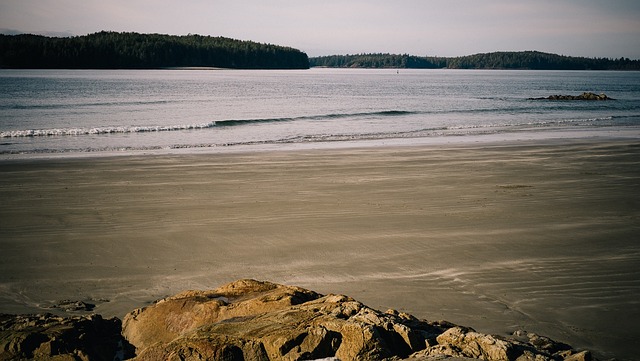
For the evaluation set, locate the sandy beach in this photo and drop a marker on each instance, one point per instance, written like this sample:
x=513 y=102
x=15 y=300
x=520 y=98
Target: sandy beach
x=536 y=235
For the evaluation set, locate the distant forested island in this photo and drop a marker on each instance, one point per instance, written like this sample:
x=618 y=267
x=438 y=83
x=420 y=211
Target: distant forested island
x=533 y=60
x=115 y=50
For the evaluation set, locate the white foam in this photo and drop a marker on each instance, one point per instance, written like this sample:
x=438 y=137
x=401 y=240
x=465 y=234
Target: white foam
x=56 y=132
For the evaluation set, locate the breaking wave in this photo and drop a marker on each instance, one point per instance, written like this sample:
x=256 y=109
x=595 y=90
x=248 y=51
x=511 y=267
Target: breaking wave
x=163 y=128
x=99 y=130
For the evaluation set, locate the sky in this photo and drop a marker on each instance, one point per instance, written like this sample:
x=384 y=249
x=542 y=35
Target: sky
x=591 y=28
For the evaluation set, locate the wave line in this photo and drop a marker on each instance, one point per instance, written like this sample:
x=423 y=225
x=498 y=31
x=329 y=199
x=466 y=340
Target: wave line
x=99 y=130
x=160 y=128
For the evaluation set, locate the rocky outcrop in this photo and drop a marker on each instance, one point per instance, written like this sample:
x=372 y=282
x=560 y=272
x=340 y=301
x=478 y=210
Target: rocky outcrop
x=583 y=96
x=49 y=337
x=260 y=320
x=253 y=320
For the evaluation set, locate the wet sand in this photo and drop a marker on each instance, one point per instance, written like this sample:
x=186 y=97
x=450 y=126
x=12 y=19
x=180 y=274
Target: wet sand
x=541 y=236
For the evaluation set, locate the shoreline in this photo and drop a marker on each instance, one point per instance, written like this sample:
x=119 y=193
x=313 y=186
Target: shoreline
x=496 y=235
x=542 y=137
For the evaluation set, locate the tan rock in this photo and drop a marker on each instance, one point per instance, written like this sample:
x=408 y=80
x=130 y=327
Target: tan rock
x=186 y=311
x=477 y=345
x=530 y=356
x=580 y=356
x=252 y=320
x=261 y=319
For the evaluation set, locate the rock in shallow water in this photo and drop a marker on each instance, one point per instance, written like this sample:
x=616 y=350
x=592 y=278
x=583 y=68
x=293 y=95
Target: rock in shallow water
x=583 y=96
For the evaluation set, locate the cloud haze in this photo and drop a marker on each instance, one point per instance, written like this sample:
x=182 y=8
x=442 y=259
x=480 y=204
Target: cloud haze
x=445 y=28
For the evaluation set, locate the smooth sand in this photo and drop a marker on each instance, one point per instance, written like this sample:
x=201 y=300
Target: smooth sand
x=542 y=237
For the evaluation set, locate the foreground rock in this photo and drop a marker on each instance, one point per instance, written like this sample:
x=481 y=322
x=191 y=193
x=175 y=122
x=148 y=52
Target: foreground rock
x=252 y=320
x=49 y=337
x=583 y=96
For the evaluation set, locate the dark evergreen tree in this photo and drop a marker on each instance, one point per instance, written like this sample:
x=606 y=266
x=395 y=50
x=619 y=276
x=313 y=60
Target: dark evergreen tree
x=375 y=61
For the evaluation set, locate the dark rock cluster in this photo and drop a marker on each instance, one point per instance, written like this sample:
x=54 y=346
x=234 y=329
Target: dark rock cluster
x=50 y=337
x=72 y=306
x=583 y=96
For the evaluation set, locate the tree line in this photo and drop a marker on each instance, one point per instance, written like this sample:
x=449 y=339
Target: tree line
x=376 y=61
x=534 y=60
x=115 y=50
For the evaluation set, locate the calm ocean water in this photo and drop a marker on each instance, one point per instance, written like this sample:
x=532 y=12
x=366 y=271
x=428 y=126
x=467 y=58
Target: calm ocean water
x=52 y=111
x=89 y=111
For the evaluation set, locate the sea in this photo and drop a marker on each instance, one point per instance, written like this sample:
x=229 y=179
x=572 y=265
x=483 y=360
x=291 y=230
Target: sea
x=93 y=111
x=60 y=113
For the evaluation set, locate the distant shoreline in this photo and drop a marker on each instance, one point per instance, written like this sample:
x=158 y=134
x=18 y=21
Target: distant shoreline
x=114 y=50
x=516 y=60
x=193 y=68
x=130 y=50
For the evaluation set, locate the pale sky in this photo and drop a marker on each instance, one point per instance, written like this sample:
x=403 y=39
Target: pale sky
x=591 y=28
